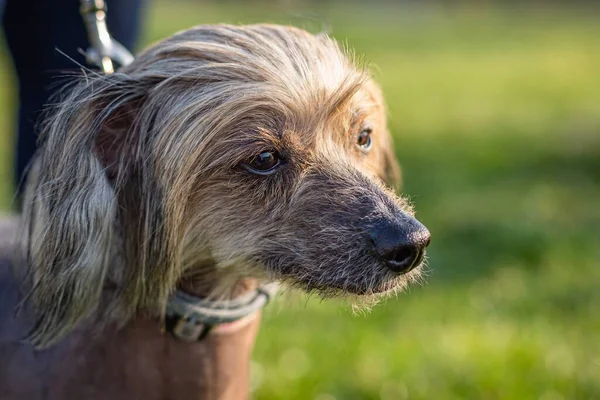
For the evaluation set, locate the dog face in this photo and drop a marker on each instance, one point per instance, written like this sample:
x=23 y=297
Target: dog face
x=305 y=201
x=295 y=181
x=223 y=151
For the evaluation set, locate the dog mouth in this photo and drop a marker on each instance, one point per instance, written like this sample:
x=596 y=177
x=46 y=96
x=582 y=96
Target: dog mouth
x=375 y=280
x=389 y=283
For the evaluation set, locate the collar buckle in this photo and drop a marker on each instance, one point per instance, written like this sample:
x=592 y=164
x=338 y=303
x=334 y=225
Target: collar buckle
x=191 y=318
x=188 y=330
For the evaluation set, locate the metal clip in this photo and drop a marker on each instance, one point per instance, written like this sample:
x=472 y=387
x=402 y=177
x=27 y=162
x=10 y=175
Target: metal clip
x=104 y=49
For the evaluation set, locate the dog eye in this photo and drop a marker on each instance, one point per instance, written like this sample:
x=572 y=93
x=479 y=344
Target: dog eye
x=264 y=163
x=364 y=140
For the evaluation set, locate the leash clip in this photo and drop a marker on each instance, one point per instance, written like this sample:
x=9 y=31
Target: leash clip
x=104 y=49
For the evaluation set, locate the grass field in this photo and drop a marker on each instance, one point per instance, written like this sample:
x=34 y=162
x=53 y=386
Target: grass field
x=496 y=114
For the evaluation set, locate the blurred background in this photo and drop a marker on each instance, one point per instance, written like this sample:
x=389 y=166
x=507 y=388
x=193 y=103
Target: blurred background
x=495 y=108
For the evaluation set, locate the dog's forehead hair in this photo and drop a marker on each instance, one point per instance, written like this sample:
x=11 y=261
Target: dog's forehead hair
x=249 y=72
x=295 y=134
x=360 y=109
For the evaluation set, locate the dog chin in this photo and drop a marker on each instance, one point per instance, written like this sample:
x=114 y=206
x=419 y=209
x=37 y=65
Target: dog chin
x=381 y=289
x=380 y=284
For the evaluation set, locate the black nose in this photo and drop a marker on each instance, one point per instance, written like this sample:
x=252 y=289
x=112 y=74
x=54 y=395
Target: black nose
x=400 y=244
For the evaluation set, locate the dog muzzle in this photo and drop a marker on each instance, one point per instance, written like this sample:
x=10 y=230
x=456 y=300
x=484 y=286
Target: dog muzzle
x=191 y=318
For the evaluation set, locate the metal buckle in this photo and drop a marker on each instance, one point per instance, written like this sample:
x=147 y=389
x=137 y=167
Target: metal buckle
x=190 y=330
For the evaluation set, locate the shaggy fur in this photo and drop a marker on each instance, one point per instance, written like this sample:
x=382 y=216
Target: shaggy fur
x=140 y=183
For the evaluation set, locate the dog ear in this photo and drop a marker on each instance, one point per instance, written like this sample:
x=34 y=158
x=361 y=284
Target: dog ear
x=70 y=207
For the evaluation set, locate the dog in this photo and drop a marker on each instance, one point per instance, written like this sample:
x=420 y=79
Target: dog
x=223 y=158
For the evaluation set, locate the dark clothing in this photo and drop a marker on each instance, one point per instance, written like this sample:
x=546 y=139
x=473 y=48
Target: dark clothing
x=34 y=30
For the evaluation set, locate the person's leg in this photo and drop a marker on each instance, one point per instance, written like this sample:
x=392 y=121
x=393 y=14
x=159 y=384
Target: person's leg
x=125 y=21
x=37 y=31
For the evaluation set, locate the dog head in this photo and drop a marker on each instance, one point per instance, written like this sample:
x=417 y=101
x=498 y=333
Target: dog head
x=257 y=151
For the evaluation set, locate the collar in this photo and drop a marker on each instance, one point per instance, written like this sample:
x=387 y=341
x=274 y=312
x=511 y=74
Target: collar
x=190 y=318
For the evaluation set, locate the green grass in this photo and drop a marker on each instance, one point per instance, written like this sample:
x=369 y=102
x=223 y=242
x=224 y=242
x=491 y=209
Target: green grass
x=496 y=114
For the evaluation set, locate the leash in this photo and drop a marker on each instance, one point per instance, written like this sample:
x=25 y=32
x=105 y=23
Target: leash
x=188 y=318
x=104 y=49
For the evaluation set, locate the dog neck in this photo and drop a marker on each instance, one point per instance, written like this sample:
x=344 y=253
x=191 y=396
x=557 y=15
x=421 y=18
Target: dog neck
x=216 y=367
x=140 y=361
x=191 y=318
